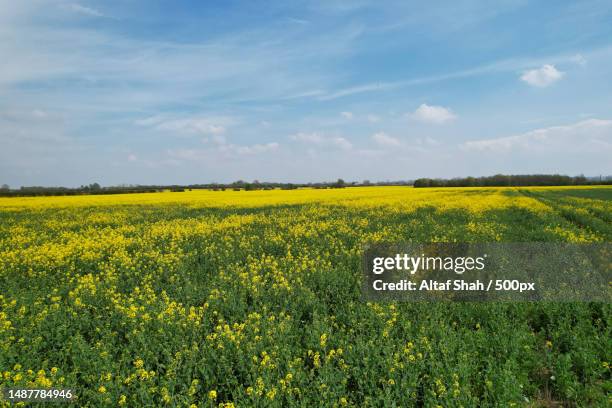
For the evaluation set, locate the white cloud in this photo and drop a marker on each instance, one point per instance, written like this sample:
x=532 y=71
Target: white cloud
x=254 y=149
x=132 y=158
x=87 y=11
x=384 y=139
x=320 y=140
x=347 y=115
x=433 y=114
x=341 y=143
x=373 y=118
x=542 y=77
x=593 y=135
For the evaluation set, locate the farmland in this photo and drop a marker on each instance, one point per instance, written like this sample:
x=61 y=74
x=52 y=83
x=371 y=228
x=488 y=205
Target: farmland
x=236 y=298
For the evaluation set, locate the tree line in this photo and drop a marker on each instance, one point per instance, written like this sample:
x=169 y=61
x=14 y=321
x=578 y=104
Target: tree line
x=241 y=185
x=500 y=180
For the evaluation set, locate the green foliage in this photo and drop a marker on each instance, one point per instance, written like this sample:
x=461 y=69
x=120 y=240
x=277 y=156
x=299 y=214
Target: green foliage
x=174 y=304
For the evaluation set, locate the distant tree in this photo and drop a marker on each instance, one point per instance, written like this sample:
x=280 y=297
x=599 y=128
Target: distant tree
x=5 y=187
x=422 y=182
x=340 y=183
x=582 y=180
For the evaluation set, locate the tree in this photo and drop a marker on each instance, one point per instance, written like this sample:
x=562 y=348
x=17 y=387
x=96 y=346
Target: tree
x=5 y=187
x=340 y=183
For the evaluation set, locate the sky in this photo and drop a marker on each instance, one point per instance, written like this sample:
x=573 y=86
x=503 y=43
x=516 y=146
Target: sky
x=182 y=92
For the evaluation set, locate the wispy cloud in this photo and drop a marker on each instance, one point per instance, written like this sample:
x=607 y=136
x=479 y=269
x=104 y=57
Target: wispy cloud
x=143 y=72
x=384 y=139
x=190 y=125
x=300 y=21
x=318 y=139
x=80 y=9
x=222 y=151
x=252 y=149
x=579 y=59
x=505 y=65
x=589 y=135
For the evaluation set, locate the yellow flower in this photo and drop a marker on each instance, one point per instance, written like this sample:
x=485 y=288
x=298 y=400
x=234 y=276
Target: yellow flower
x=102 y=389
x=212 y=395
x=138 y=363
x=343 y=402
x=54 y=370
x=323 y=340
x=44 y=382
x=317 y=360
x=271 y=394
x=122 y=400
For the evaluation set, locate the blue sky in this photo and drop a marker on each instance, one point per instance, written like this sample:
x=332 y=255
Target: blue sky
x=159 y=92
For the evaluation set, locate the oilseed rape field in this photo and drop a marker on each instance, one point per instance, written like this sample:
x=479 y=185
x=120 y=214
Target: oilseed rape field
x=252 y=299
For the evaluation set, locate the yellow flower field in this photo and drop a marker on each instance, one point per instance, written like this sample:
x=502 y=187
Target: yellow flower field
x=251 y=298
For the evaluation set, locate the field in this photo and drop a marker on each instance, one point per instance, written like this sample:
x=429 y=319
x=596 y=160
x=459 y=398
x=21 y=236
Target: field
x=251 y=298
